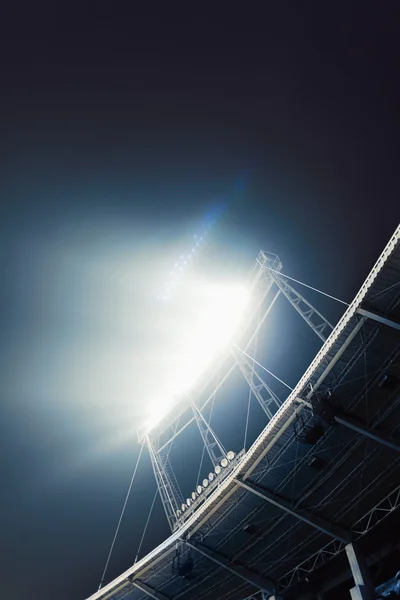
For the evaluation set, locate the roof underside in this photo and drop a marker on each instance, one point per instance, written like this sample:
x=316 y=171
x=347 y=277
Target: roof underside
x=340 y=480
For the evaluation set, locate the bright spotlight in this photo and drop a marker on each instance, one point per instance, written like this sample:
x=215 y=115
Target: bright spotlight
x=194 y=496
x=211 y=477
x=217 y=321
x=205 y=483
x=199 y=489
x=206 y=317
x=224 y=463
x=217 y=470
x=230 y=455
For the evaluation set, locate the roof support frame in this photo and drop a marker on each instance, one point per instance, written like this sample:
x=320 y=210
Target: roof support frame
x=379 y=437
x=149 y=590
x=379 y=318
x=315 y=521
x=358 y=427
x=258 y=581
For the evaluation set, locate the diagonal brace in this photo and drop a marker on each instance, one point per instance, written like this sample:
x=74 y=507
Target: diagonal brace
x=377 y=436
x=359 y=427
x=149 y=590
x=315 y=521
x=379 y=318
x=259 y=581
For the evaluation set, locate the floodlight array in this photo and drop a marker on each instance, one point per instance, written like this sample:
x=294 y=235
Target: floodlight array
x=208 y=484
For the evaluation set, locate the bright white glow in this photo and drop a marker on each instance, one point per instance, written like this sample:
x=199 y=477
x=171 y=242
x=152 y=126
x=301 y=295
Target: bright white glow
x=210 y=315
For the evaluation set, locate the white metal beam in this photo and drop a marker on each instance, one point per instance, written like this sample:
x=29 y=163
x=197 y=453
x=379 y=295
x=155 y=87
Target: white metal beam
x=363 y=587
x=315 y=521
x=150 y=591
x=259 y=581
x=380 y=437
x=346 y=421
x=379 y=318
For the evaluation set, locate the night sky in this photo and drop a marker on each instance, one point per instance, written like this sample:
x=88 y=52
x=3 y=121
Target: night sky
x=121 y=131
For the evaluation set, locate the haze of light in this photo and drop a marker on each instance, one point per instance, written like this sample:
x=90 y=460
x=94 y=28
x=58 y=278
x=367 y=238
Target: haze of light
x=206 y=315
x=97 y=354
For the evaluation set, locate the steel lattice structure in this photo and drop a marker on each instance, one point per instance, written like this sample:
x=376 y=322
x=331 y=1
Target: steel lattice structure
x=323 y=473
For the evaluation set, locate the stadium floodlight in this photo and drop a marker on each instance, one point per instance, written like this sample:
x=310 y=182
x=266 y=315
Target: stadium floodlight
x=205 y=483
x=194 y=496
x=211 y=477
x=199 y=489
x=211 y=314
x=188 y=502
x=178 y=513
x=183 y=507
x=231 y=455
x=224 y=462
x=217 y=470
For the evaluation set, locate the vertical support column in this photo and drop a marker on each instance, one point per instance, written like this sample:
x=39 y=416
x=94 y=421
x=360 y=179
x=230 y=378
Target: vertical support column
x=363 y=590
x=214 y=448
x=168 y=487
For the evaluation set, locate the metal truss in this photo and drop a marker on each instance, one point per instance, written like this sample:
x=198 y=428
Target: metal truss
x=148 y=590
x=378 y=512
x=212 y=444
x=330 y=364
x=359 y=351
x=377 y=436
x=379 y=318
x=168 y=487
x=238 y=569
x=337 y=464
x=311 y=315
x=297 y=503
x=316 y=560
x=374 y=516
x=265 y=396
x=331 y=529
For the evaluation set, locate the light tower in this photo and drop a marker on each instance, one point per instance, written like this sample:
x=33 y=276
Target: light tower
x=320 y=479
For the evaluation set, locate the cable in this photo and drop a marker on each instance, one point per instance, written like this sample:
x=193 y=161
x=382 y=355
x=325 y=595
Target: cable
x=120 y=518
x=145 y=527
x=309 y=287
x=384 y=291
x=247 y=416
x=265 y=369
x=250 y=392
x=204 y=446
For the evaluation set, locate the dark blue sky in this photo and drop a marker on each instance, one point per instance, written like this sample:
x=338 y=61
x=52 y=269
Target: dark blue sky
x=119 y=130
